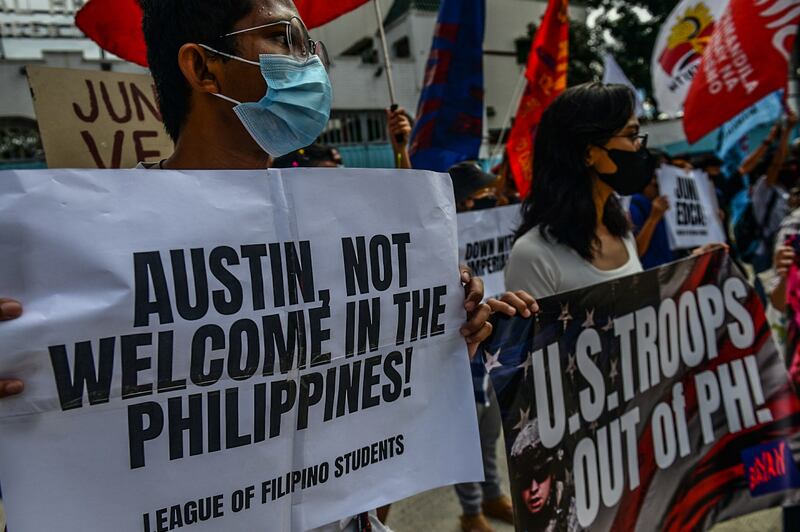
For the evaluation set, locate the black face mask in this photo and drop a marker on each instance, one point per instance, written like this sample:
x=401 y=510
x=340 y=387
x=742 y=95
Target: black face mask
x=634 y=170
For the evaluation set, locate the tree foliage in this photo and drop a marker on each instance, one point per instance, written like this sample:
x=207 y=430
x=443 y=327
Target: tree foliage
x=626 y=28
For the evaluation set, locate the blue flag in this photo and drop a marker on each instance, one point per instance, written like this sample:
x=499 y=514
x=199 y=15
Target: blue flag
x=450 y=114
x=764 y=111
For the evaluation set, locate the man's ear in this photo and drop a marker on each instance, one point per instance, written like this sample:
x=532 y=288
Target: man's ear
x=200 y=68
x=589 y=156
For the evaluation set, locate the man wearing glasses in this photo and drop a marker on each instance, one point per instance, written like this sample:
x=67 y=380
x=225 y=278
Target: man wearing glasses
x=240 y=82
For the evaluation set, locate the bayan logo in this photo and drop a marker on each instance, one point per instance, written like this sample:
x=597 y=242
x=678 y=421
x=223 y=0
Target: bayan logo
x=770 y=468
x=688 y=39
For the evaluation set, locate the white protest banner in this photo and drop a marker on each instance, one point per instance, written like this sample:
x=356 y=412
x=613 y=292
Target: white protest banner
x=238 y=351
x=692 y=218
x=485 y=239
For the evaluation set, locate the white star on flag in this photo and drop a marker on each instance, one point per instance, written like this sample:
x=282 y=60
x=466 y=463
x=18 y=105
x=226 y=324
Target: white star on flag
x=614 y=373
x=565 y=317
x=572 y=367
x=526 y=365
x=492 y=361
x=589 y=319
x=524 y=418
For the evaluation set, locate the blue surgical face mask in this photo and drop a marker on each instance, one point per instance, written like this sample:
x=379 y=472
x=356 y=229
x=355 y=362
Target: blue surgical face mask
x=295 y=109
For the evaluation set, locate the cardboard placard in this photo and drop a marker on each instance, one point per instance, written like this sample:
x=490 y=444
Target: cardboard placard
x=91 y=119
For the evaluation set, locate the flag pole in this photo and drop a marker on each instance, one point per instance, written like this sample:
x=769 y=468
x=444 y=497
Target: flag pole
x=515 y=101
x=386 y=59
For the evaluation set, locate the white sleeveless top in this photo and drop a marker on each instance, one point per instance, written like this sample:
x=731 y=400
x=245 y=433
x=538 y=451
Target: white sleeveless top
x=544 y=268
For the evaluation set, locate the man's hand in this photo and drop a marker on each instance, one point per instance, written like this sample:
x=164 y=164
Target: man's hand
x=784 y=258
x=515 y=303
x=660 y=206
x=477 y=329
x=791 y=119
x=708 y=248
x=774 y=133
x=10 y=310
x=399 y=128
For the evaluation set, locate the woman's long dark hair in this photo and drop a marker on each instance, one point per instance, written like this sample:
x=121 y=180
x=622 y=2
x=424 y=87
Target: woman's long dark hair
x=561 y=202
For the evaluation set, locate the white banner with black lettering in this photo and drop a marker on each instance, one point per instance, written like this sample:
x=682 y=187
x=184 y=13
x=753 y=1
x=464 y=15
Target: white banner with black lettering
x=485 y=239
x=229 y=350
x=692 y=219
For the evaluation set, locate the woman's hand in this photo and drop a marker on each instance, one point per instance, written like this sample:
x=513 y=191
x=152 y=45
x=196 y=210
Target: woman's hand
x=477 y=328
x=708 y=248
x=660 y=207
x=515 y=303
x=10 y=310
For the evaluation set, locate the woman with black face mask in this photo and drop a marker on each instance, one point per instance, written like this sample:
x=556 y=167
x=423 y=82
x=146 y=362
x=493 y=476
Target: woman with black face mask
x=574 y=231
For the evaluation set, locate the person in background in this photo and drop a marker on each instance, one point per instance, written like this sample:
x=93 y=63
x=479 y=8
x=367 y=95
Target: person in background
x=400 y=125
x=204 y=56
x=486 y=499
x=647 y=210
x=314 y=156
x=322 y=156
x=474 y=189
x=574 y=231
x=723 y=186
x=682 y=161
x=784 y=326
x=770 y=194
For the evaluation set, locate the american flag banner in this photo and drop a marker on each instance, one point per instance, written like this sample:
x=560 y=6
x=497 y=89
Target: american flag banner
x=652 y=402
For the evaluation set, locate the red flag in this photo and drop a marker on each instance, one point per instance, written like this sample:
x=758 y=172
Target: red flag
x=116 y=25
x=318 y=12
x=747 y=59
x=547 y=78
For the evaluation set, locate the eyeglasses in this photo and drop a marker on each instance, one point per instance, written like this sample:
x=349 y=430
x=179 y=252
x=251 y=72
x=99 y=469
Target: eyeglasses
x=289 y=37
x=634 y=138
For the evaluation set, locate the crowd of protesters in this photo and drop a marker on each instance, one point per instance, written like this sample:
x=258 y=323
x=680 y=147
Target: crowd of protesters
x=575 y=231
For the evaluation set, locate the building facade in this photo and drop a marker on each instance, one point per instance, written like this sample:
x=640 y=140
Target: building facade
x=358 y=73
x=38 y=32
x=42 y=32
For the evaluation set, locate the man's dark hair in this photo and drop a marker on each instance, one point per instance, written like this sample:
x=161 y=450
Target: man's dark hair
x=168 y=25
